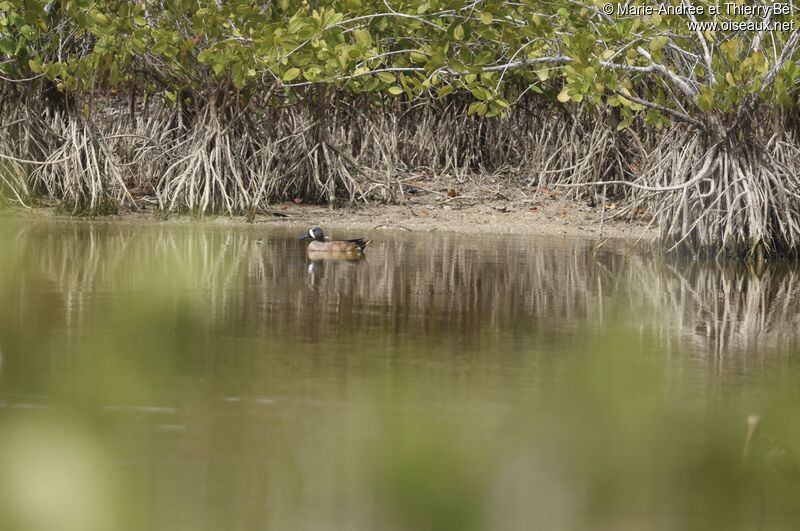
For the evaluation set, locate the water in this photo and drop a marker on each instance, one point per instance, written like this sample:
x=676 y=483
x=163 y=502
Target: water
x=212 y=377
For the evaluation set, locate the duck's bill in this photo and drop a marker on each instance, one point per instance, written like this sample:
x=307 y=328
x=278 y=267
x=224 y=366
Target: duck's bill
x=304 y=237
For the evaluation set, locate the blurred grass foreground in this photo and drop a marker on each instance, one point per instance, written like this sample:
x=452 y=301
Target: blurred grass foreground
x=180 y=377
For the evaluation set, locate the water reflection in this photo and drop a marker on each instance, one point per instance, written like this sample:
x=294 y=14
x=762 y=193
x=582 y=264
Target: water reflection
x=733 y=309
x=467 y=290
x=231 y=381
x=318 y=261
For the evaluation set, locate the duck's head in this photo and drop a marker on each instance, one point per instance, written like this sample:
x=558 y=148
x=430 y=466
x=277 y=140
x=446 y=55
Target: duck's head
x=314 y=233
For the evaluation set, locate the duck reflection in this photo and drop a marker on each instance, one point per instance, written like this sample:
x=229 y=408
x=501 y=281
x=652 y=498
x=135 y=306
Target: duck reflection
x=319 y=260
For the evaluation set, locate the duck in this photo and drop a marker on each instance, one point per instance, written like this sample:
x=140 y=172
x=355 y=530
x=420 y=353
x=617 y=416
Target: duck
x=319 y=244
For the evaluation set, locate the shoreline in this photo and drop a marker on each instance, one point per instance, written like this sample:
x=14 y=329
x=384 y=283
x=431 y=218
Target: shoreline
x=545 y=217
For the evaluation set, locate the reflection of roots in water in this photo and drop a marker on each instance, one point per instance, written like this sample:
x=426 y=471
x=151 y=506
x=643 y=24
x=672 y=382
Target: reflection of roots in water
x=727 y=309
x=422 y=284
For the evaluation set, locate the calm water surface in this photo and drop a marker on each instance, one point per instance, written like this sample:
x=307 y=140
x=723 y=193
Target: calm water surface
x=213 y=377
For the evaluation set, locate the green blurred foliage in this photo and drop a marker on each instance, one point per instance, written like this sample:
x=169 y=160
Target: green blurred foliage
x=56 y=477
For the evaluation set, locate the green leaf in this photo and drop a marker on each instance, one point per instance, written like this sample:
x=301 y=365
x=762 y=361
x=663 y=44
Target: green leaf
x=370 y=84
x=486 y=18
x=458 y=32
x=480 y=93
x=386 y=77
x=238 y=75
x=444 y=91
x=395 y=90
x=478 y=107
x=291 y=74
x=418 y=57
x=7 y=46
x=363 y=38
x=657 y=44
x=705 y=100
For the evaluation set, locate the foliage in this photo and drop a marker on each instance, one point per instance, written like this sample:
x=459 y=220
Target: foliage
x=650 y=65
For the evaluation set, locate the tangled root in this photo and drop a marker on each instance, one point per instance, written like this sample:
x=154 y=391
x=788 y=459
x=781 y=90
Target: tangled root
x=13 y=178
x=82 y=173
x=733 y=198
x=738 y=196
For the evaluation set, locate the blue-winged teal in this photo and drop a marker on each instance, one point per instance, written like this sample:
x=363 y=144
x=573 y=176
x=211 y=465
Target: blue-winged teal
x=320 y=245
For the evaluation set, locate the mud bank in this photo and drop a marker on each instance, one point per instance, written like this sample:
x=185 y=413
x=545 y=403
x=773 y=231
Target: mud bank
x=542 y=215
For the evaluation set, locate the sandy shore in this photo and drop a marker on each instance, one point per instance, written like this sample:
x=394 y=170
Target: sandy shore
x=546 y=215
x=552 y=218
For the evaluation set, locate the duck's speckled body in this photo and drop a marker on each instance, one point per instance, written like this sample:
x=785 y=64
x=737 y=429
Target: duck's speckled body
x=320 y=245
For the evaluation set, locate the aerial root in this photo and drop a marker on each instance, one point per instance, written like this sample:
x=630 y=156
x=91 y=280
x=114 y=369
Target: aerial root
x=736 y=196
x=731 y=198
x=82 y=173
